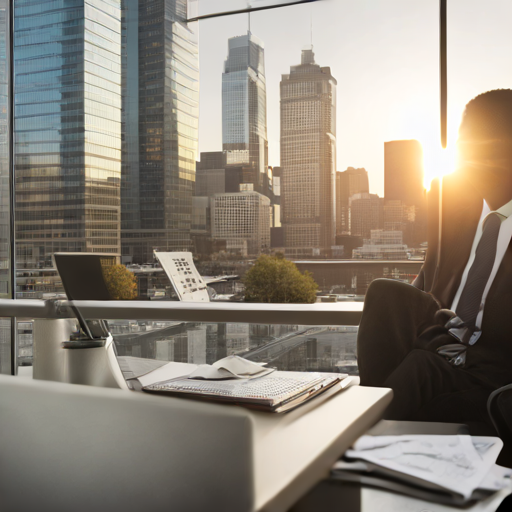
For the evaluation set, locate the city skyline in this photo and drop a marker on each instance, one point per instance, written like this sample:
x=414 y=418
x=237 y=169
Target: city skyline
x=385 y=56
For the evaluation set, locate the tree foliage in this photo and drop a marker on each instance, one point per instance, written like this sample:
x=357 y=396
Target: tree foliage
x=121 y=283
x=277 y=280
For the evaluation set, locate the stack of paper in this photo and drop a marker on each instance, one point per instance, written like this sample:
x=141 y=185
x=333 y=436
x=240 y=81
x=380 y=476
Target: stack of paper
x=457 y=465
x=276 y=392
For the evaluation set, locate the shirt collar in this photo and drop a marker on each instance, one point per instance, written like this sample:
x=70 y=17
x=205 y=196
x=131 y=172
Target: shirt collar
x=505 y=210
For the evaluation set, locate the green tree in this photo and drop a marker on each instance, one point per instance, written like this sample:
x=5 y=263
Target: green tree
x=121 y=283
x=277 y=280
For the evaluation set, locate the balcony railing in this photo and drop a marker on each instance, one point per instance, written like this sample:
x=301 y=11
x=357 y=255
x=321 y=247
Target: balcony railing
x=339 y=313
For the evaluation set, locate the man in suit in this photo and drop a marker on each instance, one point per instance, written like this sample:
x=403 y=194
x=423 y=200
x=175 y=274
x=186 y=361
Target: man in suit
x=444 y=343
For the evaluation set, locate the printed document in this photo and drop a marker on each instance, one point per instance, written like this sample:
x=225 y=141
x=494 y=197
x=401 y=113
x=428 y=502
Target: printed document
x=458 y=464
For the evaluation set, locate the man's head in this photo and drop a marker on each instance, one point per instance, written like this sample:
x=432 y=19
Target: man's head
x=485 y=145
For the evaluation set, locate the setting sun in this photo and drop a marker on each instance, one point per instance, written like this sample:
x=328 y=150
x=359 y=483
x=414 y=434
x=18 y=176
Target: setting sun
x=437 y=162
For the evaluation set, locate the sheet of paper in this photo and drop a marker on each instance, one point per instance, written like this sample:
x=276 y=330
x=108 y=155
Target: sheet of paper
x=231 y=367
x=457 y=463
x=497 y=478
x=169 y=371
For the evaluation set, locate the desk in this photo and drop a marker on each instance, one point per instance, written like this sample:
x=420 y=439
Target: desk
x=328 y=495
x=83 y=448
x=294 y=451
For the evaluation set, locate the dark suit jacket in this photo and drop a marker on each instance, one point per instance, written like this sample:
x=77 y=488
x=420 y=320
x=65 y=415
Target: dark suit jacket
x=491 y=357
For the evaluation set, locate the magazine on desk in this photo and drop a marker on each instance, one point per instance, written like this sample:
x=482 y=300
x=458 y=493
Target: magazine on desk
x=273 y=391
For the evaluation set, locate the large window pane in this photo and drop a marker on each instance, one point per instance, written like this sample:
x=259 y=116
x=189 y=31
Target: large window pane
x=5 y=176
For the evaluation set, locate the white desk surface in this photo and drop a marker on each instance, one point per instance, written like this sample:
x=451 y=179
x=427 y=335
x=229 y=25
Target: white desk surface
x=294 y=451
x=376 y=500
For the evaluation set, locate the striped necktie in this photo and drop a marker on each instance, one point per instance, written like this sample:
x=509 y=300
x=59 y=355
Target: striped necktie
x=485 y=254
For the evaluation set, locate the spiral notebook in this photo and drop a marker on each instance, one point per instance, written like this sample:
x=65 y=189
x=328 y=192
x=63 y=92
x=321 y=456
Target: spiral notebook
x=276 y=392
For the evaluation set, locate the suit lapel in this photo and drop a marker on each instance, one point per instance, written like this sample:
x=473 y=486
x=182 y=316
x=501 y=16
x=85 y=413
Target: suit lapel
x=462 y=208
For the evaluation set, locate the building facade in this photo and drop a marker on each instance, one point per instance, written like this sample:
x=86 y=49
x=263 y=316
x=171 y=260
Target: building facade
x=308 y=158
x=68 y=128
x=161 y=81
x=5 y=157
x=243 y=220
x=382 y=245
x=244 y=109
x=5 y=176
x=403 y=181
x=366 y=213
x=349 y=182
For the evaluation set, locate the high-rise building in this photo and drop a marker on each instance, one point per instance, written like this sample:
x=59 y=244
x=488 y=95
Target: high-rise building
x=366 y=213
x=403 y=181
x=68 y=128
x=161 y=108
x=5 y=142
x=242 y=219
x=244 y=109
x=308 y=158
x=211 y=174
x=5 y=175
x=403 y=171
x=349 y=182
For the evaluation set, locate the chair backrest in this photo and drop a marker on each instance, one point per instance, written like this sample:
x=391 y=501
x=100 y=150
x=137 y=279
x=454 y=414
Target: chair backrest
x=82 y=275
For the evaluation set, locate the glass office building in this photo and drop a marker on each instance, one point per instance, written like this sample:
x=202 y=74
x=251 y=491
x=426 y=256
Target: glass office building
x=5 y=142
x=161 y=117
x=67 y=56
x=244 y=109
x=308 y=158
x=5 y=171
x=130 y=203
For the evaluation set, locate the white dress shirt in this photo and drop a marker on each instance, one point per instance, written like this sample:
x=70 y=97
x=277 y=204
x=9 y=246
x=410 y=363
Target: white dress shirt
x=505 y=234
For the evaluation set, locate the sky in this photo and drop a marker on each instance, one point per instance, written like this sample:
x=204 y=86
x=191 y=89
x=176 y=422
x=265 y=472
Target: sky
x=385 y=57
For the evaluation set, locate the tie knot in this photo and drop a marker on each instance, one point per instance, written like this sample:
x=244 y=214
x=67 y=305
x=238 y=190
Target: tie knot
x=492 y=221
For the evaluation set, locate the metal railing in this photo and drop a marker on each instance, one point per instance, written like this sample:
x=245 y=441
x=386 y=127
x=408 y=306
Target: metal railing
x=338 y=313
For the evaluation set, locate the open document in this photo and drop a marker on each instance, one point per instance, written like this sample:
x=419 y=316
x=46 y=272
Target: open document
x=455 y=464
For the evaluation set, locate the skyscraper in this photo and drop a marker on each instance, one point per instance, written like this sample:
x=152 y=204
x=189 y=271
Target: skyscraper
x=366 y=213
x=244 y=109
x=308 y=158
x=5 y=175
x=68 y=128
x=161 y=109
x=349 y=182
x=403 y=181
x=5 y=142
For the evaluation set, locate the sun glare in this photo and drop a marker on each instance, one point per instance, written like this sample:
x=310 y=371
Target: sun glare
x=437 y=162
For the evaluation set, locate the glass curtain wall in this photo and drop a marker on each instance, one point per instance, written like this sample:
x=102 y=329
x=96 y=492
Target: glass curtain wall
x=5 y=173
x=68 y=128
x=161 y=80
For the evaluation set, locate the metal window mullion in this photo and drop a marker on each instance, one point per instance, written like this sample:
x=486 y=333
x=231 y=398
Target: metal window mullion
x=12 y=192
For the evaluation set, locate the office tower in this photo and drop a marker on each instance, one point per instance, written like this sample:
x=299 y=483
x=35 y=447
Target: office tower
x=5 y=174
x=349 y=182
x=160 y=80
x=5 y=154
x=242 y=219
x=382 y=245
x=366 y=213
x=130 y=165
x=211 y=174
x=68 y=128
x=308 y=158
x=244 y=109
x=403 y=181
